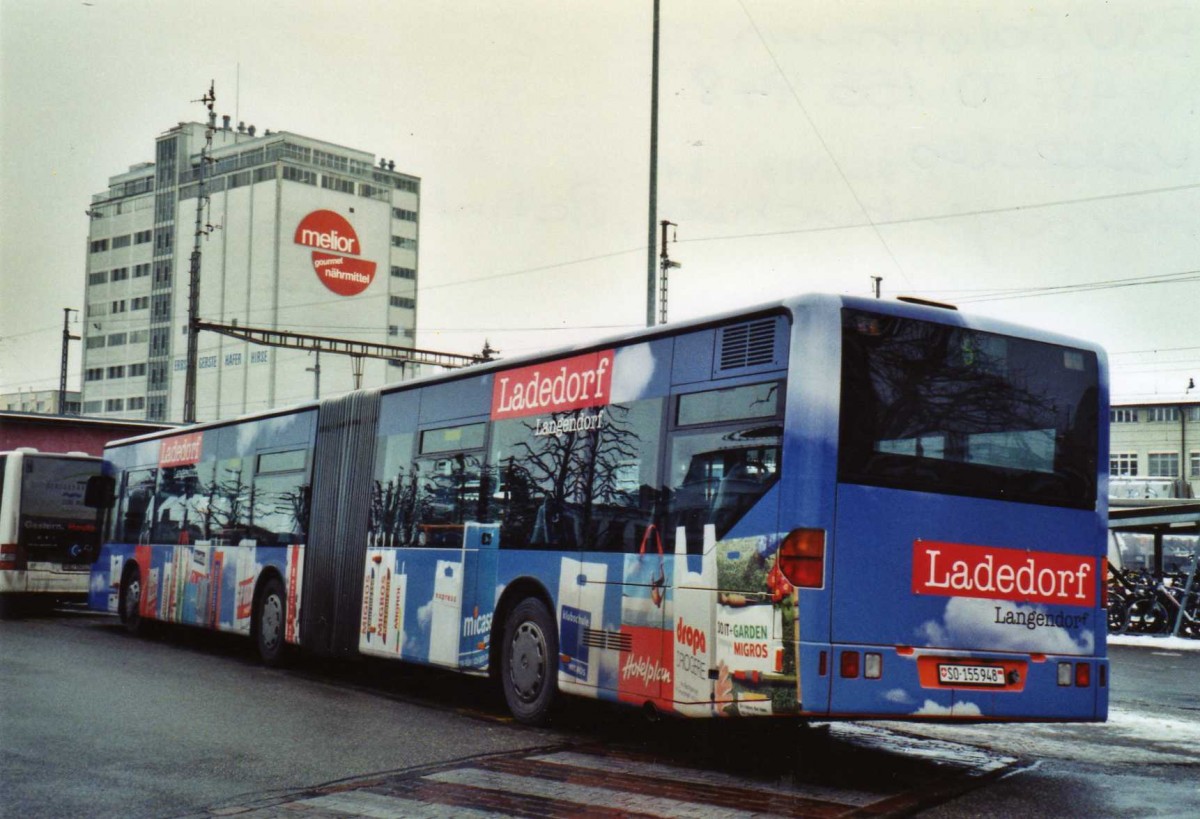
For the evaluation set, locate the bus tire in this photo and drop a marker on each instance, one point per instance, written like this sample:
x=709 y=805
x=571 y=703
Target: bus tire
x=269 y=618
x=130 y=609
x=529 y=662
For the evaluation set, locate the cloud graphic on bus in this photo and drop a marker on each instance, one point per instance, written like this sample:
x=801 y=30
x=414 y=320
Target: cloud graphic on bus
x=898 y=696
x=633 y=370
x=425 y=616
x=958 y=709
x=972 y=623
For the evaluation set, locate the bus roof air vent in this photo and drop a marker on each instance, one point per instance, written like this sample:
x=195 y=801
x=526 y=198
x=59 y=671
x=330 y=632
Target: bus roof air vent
x=749 y=345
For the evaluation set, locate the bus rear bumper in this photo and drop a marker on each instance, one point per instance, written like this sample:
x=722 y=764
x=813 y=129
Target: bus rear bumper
x=908 y=683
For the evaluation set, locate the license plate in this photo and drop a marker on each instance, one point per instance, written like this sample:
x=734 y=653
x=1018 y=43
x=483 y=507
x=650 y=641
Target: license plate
x=970 y=674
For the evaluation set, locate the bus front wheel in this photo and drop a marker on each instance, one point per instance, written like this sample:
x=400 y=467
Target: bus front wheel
x=529 y=662
x=269 y=623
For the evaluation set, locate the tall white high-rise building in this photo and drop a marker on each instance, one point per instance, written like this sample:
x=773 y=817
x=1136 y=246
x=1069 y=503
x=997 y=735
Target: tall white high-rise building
x=296 y=234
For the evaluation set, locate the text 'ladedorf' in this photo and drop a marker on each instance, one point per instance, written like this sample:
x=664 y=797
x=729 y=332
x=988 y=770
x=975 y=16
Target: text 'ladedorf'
x=959 y=570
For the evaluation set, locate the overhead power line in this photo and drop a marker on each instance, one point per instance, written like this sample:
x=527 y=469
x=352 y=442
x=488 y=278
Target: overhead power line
x=1109 y=284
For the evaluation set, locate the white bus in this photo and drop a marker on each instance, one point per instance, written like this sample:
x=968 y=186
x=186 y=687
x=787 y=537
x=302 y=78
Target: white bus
x=48 y=538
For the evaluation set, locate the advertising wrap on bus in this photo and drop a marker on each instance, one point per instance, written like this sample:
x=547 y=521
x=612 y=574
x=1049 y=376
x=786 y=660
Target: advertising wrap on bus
x=825 y=507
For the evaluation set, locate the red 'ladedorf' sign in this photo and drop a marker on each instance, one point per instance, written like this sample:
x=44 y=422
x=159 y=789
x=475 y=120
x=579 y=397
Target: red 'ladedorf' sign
x=180 y=450
x=556 y=386
x=993 y=573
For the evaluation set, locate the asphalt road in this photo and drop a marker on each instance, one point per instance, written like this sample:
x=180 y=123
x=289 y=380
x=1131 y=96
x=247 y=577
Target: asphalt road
x=95 y=722
x=99 y=723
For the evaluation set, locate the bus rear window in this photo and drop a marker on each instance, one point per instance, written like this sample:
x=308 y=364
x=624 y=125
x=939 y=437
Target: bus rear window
x=943 y=409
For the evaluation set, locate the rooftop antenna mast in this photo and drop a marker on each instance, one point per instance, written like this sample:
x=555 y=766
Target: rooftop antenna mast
x=202 y=230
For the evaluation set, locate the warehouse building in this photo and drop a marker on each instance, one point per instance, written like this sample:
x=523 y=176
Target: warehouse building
x=295 y=234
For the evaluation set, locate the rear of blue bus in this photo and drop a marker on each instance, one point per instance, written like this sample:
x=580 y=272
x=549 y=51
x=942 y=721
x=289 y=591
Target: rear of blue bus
x=48 y=537
x=964 y=559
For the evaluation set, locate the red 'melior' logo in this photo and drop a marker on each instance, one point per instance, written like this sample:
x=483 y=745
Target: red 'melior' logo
x=336 y=248
x=992 y=573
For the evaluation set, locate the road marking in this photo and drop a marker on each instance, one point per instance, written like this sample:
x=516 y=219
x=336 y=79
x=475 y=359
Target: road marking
x=601 y=781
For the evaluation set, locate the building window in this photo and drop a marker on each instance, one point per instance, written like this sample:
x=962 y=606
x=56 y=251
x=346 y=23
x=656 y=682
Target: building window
x=333 y=183
x=117 y=371
x=141 y=270
x=99 y=277
x=116 y=339
x=120 y=274
x=403 y=272
x=92 y=406
x=402 y=301
x=404 y=243
x=117 y=307
x=393 y=330
x=1162 y=414
x=1123 y=464
x=137 y=369
x=143 y=236
x=137 y=403
x=94 y=374
x=95 y=342
x=1194 y=465
x=406 y=215
x=139 y=302
x=1163 y=465
x=328 y=160
x=299 y=175
x=121 y=241
x=266 y=174
x=162 y=272
x=1123 y=415
x=114 y=405
x=99 y=246
x=239 y=180
x=160 y=310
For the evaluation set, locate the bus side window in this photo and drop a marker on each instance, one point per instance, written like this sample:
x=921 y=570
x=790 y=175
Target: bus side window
x=279 y=510
x=132 y=520
x=724 y=456
x=452 y=484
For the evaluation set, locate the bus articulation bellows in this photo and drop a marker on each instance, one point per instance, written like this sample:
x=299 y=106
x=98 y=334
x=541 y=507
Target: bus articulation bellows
x=824 y=507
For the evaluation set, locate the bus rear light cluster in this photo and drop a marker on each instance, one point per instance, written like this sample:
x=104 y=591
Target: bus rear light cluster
x=1079 y=674
x=10 y=557
x=802 y=558
x=871 y=665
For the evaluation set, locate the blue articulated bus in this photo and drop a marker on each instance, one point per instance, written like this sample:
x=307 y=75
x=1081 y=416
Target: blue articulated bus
x=823 y=507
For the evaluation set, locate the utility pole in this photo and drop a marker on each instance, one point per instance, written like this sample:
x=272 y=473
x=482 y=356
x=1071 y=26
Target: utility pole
x=62 y=371
x=315 y=369
x=189 y=387
x=650 y=261
x=876 y=281
x=665 y=264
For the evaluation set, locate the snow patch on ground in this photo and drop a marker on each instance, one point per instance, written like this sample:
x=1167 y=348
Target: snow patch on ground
x=1153 y=641
x=1128 y=736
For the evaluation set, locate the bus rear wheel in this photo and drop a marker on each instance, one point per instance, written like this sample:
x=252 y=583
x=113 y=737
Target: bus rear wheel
x=269 y=618
x=529 y=662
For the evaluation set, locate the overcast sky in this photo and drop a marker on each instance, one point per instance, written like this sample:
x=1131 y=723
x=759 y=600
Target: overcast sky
x=961 y=151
